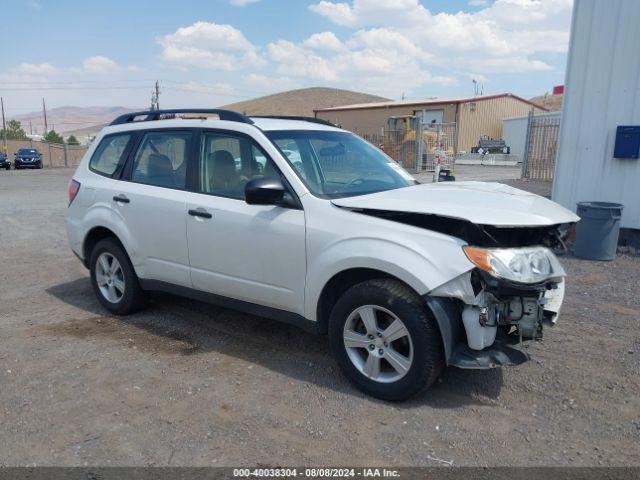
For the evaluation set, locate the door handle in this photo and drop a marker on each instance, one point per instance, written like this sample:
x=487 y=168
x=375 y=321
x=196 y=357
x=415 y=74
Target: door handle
x=121 y=199
x=200 y=212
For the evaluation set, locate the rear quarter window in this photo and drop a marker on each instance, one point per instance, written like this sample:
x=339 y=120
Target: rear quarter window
x=107 y=156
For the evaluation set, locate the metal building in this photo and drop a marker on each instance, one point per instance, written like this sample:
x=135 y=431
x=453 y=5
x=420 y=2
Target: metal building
x=514 y=131
x=602 y=92
x=474 y=116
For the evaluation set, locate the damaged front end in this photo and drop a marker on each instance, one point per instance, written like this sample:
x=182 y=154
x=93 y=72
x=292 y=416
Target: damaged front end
x=515 y=290
x=502 y=304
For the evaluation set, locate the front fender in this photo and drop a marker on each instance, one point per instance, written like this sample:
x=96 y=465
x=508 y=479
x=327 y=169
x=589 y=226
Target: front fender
x=415 y=268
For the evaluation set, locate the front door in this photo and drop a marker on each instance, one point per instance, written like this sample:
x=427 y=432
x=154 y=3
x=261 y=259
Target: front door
x=253 y=253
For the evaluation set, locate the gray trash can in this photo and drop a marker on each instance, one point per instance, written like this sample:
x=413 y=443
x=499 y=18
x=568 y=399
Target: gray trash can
x=598 y=229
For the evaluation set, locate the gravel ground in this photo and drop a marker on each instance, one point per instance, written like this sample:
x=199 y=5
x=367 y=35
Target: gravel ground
x=186 y=383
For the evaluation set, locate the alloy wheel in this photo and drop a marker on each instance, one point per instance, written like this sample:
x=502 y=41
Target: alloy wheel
x=378 y=343
x=109 y=277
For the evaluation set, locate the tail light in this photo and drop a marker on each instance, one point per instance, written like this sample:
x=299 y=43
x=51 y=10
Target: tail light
x=74 y=188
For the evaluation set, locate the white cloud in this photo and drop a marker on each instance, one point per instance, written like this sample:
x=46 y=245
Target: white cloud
x=379 y=60
x=338 y=13
x=506 y=35
x=36 y=68
x=324 y=41
x=210 y=45
x=300 y=62
x=99 y=64
x=478 y=3
x=242 y=3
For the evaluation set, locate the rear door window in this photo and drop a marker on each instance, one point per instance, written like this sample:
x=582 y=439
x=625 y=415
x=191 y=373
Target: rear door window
x=161 y=159
x=109 y=153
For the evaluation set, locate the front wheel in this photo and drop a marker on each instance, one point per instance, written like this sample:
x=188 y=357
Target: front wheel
x=385 y=339
x=113 y=278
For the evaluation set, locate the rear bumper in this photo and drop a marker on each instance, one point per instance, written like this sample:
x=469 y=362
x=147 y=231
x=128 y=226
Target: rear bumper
x=75 y=234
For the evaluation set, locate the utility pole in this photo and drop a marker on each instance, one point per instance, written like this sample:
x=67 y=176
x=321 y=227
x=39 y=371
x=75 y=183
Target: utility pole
x=44 y=110
x=4 y=128
x=30 y=128
x=155 y=97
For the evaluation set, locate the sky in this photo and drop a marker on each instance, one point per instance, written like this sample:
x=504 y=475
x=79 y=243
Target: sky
x=213 y=52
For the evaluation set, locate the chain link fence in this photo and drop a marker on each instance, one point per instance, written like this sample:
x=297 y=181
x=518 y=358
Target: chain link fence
x=53 y=154
x=416 y=149
x=541 y=147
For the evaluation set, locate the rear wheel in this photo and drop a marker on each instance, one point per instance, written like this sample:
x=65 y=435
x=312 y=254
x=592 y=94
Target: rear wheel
x=385 y=339
x=113 y=278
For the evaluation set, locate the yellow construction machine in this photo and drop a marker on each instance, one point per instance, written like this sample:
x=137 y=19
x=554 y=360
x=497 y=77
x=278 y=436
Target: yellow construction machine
x=400 y=142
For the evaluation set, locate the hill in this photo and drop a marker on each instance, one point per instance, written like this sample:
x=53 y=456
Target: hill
x=88 y=121
x=71 y=120
x=552 y=102
x=301 y=102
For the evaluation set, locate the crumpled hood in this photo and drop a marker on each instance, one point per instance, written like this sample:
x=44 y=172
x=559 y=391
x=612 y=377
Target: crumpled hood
x=478 y=202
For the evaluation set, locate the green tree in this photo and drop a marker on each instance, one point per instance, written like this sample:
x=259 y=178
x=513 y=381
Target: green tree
x=14 y=131
x=72 y=140
x=52 y=137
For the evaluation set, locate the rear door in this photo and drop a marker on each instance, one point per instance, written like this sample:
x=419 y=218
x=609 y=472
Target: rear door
x=253 y=253
x=150 y=200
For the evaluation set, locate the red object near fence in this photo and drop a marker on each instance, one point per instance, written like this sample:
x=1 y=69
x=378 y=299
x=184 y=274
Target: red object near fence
x=558 y=89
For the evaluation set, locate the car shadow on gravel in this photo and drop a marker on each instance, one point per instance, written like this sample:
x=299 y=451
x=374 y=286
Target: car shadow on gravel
x=173 y=325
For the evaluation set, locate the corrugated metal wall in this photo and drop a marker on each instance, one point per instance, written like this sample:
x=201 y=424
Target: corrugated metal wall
x=485 y=118
x=371 y=121
x=602 y=91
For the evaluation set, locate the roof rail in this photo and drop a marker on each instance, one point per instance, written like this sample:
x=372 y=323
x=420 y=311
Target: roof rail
x=151 y=115
x=297 y=117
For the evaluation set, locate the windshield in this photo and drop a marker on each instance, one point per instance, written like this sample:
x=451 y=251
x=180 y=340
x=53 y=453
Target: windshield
x=335 y=164
x=26 y=151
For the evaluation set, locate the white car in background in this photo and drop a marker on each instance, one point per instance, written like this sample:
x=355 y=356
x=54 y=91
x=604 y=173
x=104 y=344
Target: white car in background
x=299 y=221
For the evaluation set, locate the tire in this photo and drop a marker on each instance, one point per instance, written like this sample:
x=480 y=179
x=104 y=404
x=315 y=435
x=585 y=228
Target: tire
x=421 y=348
x=40 y=165
x=119 y=290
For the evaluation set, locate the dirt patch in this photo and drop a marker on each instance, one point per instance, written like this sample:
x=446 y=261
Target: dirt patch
x=186 y=383
x=124 y=333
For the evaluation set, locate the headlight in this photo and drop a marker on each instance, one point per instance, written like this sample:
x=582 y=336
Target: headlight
x=522 y=265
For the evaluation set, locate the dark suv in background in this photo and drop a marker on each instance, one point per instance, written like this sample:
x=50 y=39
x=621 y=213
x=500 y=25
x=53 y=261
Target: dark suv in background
x=27 y=158
x=4 y=161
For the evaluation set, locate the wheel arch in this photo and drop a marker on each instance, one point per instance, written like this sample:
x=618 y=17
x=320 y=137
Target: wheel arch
x=93 y=236
x=340 y=283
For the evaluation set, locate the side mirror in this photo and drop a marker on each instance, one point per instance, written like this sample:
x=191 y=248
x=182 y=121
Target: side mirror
x=264 y=191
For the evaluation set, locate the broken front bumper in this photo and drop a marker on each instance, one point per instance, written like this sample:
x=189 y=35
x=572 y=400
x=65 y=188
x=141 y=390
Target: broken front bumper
x=483 y=320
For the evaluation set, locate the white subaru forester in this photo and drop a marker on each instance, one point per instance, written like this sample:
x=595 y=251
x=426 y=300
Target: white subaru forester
x=299 y=221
